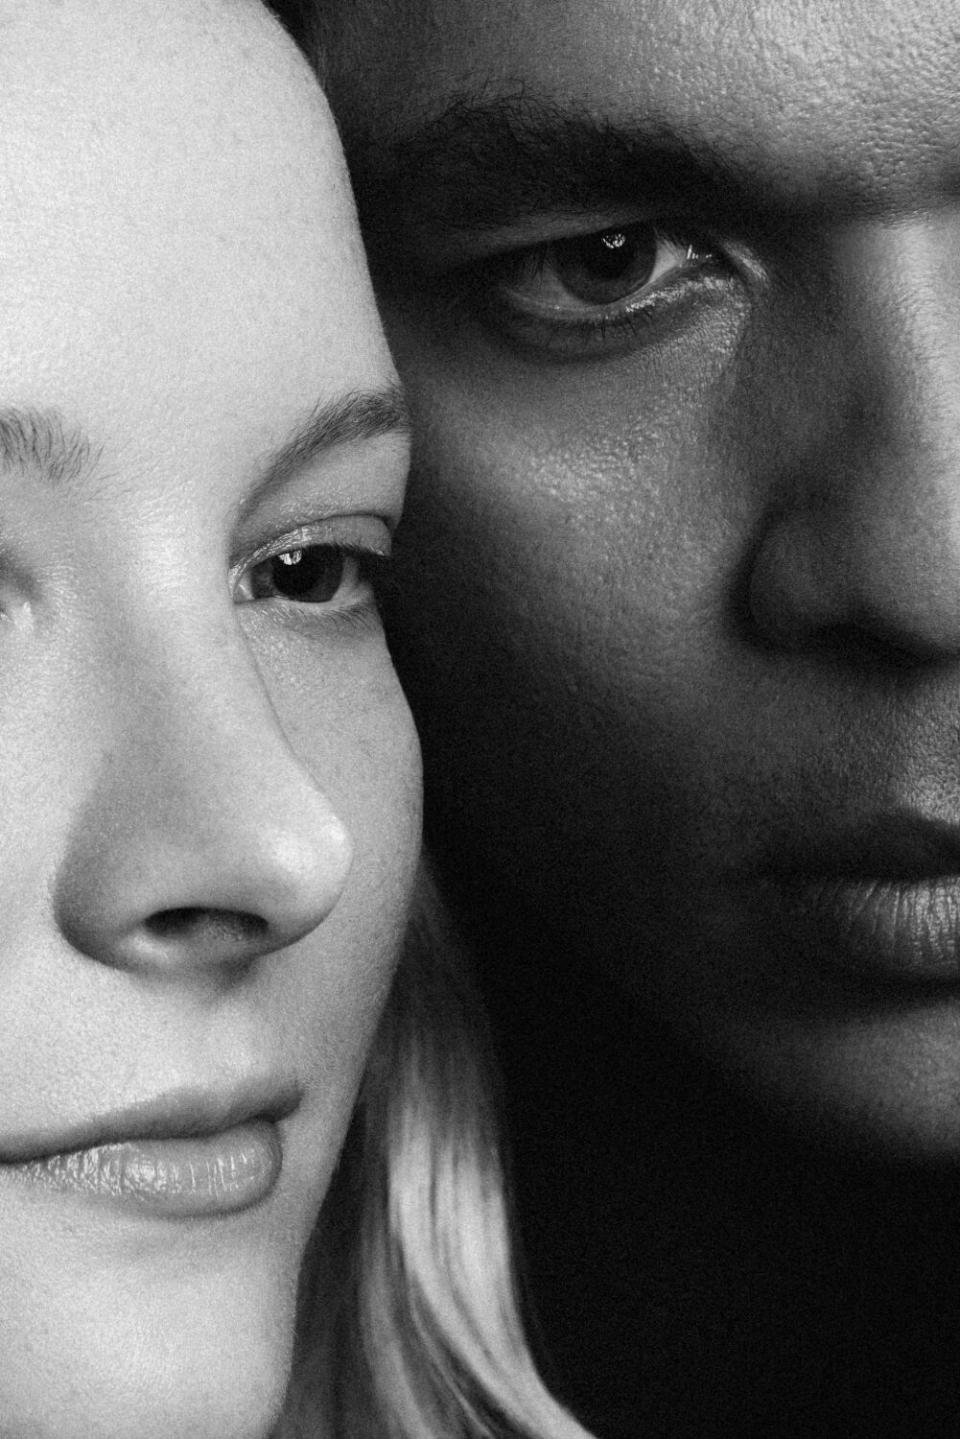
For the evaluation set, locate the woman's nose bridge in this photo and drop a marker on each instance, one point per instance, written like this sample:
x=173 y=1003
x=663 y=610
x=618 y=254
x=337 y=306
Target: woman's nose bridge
x=870 y=536
x=195 y=806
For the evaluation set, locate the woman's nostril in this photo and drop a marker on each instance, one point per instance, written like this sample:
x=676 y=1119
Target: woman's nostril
x=218 y=926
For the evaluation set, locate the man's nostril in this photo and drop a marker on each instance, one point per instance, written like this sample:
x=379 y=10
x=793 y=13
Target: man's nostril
x=221 y=926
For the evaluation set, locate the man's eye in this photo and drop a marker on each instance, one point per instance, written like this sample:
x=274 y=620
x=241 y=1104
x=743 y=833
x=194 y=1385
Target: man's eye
x=600 y=269
x=311 y=575
x=592 y=291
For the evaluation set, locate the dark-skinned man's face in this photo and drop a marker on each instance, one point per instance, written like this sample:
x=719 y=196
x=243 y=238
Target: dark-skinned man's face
x=676 y=288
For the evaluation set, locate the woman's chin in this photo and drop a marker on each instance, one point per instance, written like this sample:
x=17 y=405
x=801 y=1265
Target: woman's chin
x=202 y=1352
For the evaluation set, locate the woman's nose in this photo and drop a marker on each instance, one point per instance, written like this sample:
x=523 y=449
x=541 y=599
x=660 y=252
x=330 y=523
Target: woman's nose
x=865 y=544
x=201 y=841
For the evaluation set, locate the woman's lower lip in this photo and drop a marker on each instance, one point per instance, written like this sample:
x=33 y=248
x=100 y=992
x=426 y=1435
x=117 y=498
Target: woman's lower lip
x=907 y=930
x=182 y=1178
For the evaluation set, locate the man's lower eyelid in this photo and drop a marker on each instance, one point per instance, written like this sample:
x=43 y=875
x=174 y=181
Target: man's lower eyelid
x=656 y=293
x=590 y=337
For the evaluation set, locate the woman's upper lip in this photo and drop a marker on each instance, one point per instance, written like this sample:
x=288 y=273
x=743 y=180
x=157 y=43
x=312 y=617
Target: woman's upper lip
x=179 y=1113
x=897 y=846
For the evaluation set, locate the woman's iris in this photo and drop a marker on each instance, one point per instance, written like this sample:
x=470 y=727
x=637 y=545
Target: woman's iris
x=311 y=575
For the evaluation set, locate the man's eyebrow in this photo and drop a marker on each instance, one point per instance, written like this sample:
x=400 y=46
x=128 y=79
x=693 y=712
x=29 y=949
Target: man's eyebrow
x=483 y=164
x=44 y=442
x=347 y=419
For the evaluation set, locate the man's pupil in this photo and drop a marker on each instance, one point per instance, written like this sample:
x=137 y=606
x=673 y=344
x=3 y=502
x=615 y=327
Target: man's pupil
x=621 y=259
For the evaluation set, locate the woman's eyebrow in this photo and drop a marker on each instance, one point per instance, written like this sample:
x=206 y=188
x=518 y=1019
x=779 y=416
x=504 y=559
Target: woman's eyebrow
x=347 y=419
x=483 y=164
x=44 y=442
x=60 y=452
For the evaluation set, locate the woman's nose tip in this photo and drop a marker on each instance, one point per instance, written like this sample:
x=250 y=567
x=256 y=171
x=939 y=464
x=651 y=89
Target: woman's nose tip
x=162 y=901
x=297 y=874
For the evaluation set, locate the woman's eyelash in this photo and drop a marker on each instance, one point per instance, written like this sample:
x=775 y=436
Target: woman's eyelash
x=318 y=574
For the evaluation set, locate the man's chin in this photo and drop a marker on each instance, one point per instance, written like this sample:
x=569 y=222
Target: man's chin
x=882 y=1085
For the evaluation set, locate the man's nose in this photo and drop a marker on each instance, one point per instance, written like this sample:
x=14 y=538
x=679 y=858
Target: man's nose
x=862 y=542
x=199 y=841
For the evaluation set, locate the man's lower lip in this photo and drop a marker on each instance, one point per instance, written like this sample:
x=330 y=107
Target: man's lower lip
x=907 y=930
x=179 y=1178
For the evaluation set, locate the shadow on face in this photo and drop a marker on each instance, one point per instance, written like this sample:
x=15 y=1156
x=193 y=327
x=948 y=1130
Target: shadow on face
x=209 y=775
x=676 y=295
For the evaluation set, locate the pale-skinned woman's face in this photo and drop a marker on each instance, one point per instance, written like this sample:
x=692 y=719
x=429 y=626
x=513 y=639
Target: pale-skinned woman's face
x=209 y=778
x=676 y=287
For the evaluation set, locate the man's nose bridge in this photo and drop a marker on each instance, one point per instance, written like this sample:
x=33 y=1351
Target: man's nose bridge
x=899 y=463
x=897 y=302
x=868 y=533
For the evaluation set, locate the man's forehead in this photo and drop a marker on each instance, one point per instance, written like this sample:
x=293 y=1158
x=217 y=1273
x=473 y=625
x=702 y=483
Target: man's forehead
x=675 y=38
x=859 y=97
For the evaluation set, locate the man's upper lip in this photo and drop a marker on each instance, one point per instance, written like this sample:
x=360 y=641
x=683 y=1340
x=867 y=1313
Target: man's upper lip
x=175 y=1114
x=899 y=847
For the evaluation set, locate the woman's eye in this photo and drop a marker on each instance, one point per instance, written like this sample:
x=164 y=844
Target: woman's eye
x=310 y=575
x=592 y=290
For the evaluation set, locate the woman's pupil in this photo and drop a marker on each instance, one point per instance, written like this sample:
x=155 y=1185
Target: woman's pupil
x=314 y=573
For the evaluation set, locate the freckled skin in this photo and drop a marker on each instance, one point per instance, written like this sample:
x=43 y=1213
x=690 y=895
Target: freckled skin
x=660 y=614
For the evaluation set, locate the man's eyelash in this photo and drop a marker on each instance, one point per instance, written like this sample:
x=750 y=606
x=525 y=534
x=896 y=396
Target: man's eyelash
x=477 y=291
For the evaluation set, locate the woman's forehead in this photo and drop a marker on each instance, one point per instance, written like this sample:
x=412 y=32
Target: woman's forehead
x=157 y=91
x=175 y=220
